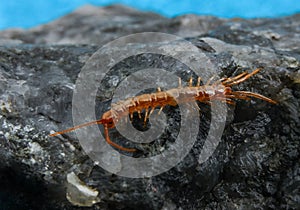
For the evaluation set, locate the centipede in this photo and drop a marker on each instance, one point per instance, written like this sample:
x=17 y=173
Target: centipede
x=220 y=90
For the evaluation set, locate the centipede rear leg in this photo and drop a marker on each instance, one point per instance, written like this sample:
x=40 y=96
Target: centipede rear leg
x=246 y=94
x=240 y=78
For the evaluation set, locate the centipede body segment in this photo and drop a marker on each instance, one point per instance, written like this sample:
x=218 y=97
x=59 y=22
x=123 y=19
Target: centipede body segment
x=219 y=90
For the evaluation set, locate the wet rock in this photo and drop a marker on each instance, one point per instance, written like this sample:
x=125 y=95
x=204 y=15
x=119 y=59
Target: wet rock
x=256 y=165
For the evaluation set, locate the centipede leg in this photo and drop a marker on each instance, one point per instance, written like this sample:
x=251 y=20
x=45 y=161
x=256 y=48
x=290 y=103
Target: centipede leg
x=131 y=117
x=139 y=113
x=76 y=127
x=242 y=79
x=151 y=111
x=210 y=79
x=161 y=108
x=107 y=139
x=227 y=80
x=146 y=116
x=191 y=82
x=179 y=82
x=198 y=82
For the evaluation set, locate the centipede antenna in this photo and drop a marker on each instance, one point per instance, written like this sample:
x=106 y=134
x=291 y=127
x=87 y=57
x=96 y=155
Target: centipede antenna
x=76 y=127
x=198 y=82
x=191 y=82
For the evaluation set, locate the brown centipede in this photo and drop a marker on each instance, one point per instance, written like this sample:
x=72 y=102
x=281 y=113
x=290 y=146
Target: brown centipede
x=218 y=90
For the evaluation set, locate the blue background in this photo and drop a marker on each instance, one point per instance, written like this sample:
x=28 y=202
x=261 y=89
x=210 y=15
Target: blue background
x=29 y=13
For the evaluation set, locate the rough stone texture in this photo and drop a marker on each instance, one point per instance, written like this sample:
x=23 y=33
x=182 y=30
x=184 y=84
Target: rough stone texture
x=255 y=167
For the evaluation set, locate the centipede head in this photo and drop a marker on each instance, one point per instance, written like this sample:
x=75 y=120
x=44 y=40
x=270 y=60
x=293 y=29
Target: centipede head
x=107 y=118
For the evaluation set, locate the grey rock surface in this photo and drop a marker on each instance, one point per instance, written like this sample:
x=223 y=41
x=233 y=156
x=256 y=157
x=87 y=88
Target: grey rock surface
x=93 y=25
x=256 y=166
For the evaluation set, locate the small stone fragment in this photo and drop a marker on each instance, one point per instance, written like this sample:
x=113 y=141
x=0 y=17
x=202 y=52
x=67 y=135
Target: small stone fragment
x=80 y=194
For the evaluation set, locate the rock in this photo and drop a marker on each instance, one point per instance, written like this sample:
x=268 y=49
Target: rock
x=79 y=194
x=256 y=165
x=100 y=25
